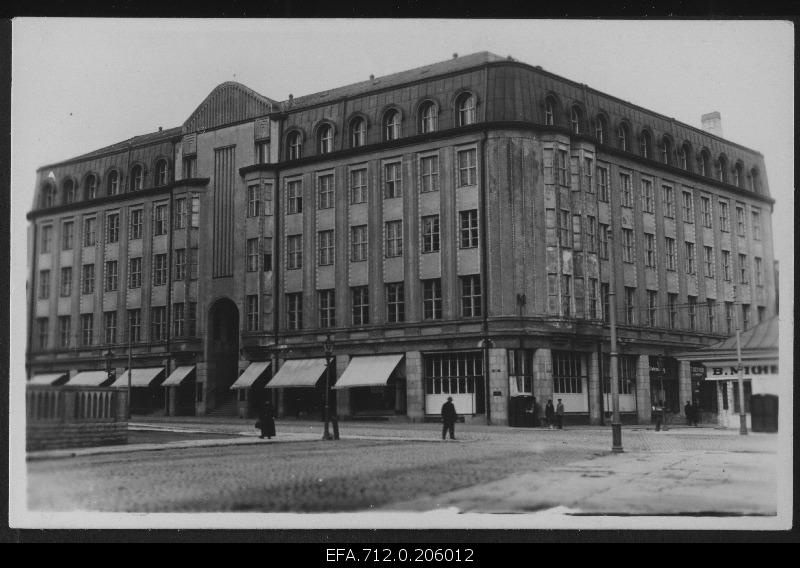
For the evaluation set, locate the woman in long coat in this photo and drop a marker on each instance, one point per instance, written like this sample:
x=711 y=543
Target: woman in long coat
x=267 y=419
x=549 y=413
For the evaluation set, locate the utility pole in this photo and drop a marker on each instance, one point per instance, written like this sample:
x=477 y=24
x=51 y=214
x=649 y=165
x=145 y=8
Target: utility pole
x=616 y=425
x=739 y=371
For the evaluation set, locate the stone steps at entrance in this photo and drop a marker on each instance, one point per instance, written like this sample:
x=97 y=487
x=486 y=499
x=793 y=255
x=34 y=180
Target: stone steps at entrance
x=227 y=408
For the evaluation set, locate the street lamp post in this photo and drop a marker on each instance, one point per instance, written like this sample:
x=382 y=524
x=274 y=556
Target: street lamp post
x=328 y=346
x=616 y=424
x=486 y=344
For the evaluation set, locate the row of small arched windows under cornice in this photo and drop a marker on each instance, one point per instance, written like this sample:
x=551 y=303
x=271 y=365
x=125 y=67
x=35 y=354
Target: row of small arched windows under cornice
x=391 y=125
x=94 y=186
x=664 y=150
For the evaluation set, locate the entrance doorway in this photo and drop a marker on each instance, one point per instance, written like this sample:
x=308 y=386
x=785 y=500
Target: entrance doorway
x=222 y=354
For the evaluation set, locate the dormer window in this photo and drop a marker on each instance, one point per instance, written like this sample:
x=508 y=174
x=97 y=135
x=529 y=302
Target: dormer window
x=325 y=139
x=112 y=184
x=600 y=129
x=427 y=118
x=137 y=178
x=702 y=163
x=90 y=186
x=666 y=150
x=720 y=167
x=644 y=144
x=466 y=109
x=69 y=191
x=683 y=157
x=295 y=145
x=549 y=112
x=391 y=125
x=622 y=137
x=358 y=133
x=575 y=119
x=162 y=173
x=737 y=175
x=48 y=195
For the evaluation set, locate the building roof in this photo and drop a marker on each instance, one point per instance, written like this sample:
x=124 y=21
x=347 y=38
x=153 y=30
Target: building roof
x=762 y=338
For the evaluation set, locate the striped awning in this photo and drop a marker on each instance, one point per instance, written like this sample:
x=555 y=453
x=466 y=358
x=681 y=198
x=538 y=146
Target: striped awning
x=140 y=377
x=253 y=372
x=46 y=378
x=373 y=370
x=298 y=373
x=89 y=379
x=178 y=376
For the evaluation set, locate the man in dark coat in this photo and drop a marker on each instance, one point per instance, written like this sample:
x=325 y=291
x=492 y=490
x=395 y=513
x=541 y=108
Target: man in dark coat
x=689 y=411
x=549 y=413
x=266 y=417
x=560 y=414
x=449 y=416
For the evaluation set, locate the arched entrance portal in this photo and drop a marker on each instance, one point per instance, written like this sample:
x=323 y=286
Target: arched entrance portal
x=222 y=354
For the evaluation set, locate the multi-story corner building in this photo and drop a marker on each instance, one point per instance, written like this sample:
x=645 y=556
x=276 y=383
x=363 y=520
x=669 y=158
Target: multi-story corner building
x=449 y=228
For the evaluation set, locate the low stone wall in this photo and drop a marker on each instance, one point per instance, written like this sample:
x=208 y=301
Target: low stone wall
x=73 y=417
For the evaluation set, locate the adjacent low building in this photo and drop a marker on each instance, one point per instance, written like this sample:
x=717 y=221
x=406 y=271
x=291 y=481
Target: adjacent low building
x=443 y=231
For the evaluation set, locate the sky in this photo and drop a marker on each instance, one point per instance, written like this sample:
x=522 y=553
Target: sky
x=81 y=84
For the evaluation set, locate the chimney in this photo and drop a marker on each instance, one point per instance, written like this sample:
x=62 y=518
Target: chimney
x=455 y=55
x=712 y=123
x=160 y=128
x=372 y=77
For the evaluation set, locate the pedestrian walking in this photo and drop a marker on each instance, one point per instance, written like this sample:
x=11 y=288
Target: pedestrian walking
x=266 y=420
x=658 y=414
x=689 y=411
x=560 y=414
x=449 y=416
x=696 y=414
x=549 y=413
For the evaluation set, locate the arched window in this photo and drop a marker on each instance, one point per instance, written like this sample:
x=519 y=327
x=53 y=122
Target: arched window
x=549 y=111
x=90 y=186
x=683 y=156
x=358 y=133
x=666 y=150
x=720 y=168
x=702 y=163
x=755 y=182
x=295 y=145
x=427 y=118
x=622 y=137
x=575 y=117
x=325 y=139
x=48 y=195
x=69 y=190
x=112 y=184
x=391 y=125
x=137 y=178
x=162 y=173
x=465 y=104
x=600 y=129
x=737 y=174
x=644 y=144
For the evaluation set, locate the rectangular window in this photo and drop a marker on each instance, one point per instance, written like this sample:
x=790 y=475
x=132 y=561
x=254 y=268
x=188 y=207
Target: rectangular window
x=44 y=284
x=454 y=373
x=395 y=302
x=294 y=197
x=669 y=252
x=253 y=200
x=468 y=167
x=42 y=326
x=469 y=228
x=630 y=305
x=432 y=299
x=135 y=325
x=252 y=313
x=159 y=269
x=178 y=319
x=743 y=275
x=692 y=312
x=745 y=316
x=252 y=255
x=588 y=170
x=158 y=323
x=605 y=294
x=64 y=331
x=360 y=296
x=628 y=253
x=430 y=233
x=112 y=227
x=294 y=252
x=262 y=152
x=429 y=174
x=180 y=213
x=688 y=207
x=67 y=235
x=358 y=186
x=189 y=167
x=756 y=219
x=358 y=243
x=741 y=223
x=705 y=211
x=47 y=239
x=724 y=217
x=669 y=201
x=325 y=191
x=111 y=275
x=652 y=308
x=471 y=296
x=326 y=250
x=267 y=254
x=135 y=272
x=690 y=258
x=709 y=258
x=195 y=212
x=602 y=184
x=591 y=230
x=591 y=295
x=294 y=311
x=180 y=264
x=66 y=281
x=191 y=319
x=87 y=279
x=648 y=202
x=392 y=181
x=759 y=271
x=327 y=308
x=626 y=191
x=603 y=241
x=110 y=327
x=564 y=228
x=87 y=329
x=650 y=250
x=726 y=265
x=89 y=231
x=711 y=307
x=136 y=224
x=566 y=295
x=672 y=306
x=160 y=220
x=394 y=238
x=729 y=316
x=568 y=375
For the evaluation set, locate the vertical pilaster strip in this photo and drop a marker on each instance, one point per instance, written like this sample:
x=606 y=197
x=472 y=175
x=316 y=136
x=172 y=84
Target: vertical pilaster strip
x=594 y=389
x=415 y=391
x=684 y=384
x=643 y=403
